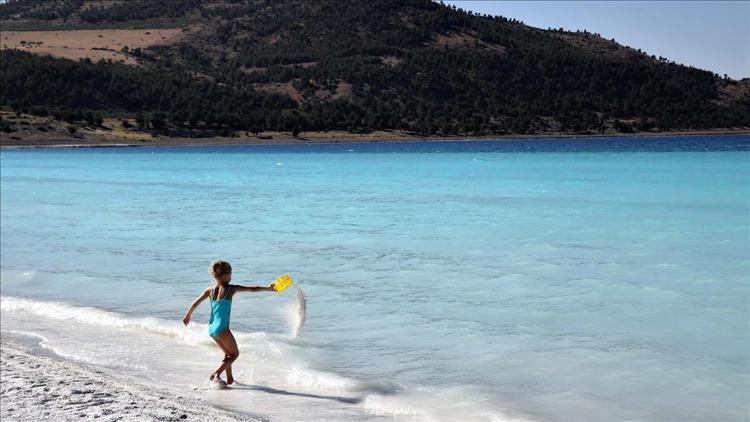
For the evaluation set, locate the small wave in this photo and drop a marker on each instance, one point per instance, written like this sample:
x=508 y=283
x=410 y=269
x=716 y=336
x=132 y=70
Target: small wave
x=60 y=311
x=309 y=379
x=427 y=404
x=377 y=397
x=26 y=334
x=18 y=276
x=384 y=406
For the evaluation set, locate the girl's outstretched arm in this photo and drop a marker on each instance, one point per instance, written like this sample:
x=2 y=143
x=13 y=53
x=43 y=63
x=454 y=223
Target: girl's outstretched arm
x=196 y=302
x=238 y=288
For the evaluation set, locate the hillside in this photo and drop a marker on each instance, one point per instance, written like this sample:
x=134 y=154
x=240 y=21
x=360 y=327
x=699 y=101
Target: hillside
x=412 y=66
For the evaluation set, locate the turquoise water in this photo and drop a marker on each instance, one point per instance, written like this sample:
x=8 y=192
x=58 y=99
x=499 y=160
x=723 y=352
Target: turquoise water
x=561 y=280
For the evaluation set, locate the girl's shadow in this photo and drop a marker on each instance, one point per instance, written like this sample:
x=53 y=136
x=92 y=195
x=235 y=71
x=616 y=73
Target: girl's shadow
x=348 y=400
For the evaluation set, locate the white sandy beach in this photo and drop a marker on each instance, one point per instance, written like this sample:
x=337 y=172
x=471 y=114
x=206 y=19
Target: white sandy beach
x=45 y=388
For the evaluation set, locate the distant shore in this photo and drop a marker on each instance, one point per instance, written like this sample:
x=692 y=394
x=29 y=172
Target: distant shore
x=46 y=140
x=36 y=387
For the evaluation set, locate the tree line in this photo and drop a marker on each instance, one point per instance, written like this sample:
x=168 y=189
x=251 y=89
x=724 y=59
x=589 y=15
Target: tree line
x=492 y=75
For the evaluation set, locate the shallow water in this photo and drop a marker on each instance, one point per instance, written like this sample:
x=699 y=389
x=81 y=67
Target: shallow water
x=533 y=279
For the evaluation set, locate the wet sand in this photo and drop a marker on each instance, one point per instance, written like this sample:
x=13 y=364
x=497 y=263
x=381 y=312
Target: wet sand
x=42 y=387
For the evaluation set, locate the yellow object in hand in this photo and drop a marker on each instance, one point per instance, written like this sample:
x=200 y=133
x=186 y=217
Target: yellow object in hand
x=282 y=282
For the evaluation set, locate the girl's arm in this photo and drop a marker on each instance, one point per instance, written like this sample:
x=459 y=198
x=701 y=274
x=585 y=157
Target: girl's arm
x=238 y=288
x=196 y=302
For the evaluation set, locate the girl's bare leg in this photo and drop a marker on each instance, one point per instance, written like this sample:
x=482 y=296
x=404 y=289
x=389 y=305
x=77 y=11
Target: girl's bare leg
x=226 y=354
x=229 y=345
x=228 y=370
x=230 y=378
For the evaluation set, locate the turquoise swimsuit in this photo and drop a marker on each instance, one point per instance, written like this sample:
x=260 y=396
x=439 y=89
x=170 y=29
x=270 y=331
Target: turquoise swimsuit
x=220 y=310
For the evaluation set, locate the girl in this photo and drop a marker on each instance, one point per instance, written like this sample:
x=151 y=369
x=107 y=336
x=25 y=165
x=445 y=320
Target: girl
x=220 y=296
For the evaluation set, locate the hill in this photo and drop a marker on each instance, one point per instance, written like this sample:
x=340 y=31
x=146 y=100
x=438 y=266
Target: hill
x=412 y=66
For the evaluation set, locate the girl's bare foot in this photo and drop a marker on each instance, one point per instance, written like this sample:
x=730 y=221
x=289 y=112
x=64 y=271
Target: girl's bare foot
x=217 y=381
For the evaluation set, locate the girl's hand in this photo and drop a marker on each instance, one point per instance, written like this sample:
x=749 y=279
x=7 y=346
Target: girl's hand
x=186 y=320
x=273 y=287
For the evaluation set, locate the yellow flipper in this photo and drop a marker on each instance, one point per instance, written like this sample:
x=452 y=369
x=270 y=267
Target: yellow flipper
x=281 y=283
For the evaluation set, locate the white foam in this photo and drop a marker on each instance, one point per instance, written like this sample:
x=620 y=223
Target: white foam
x=42 y=339
x=280 y=368
x=393 y=407
x=194 y=334
x=444 y=404
x=295 y=312
x=309 y=379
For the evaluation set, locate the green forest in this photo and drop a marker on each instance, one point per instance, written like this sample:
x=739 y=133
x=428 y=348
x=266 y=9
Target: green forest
x=417 y=66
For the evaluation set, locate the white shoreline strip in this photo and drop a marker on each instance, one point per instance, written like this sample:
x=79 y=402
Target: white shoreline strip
x=35 y=388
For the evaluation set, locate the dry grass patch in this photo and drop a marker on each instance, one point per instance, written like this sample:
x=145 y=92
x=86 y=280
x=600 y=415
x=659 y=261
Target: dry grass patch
x=391 y=60
x=94 y=44
x=732 y=93
x=281 y=88
x=101 y=3
x=463 y=39
x=118 y=132
x=343 y=90
x=263 y=69
x=597 y=44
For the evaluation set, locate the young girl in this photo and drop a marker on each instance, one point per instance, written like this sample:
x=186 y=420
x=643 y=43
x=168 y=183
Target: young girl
x=220 y=295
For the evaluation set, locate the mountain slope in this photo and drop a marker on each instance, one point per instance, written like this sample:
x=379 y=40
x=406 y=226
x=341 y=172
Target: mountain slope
x=415 y=66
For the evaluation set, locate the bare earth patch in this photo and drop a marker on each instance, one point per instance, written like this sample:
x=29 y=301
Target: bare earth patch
x=100 y=3
x=263 y=69
x=463 y=39
x=343 y=90
x=94 y=44
x=281 y=88
x=596 y=44
x=733 y=92
x=391 y=60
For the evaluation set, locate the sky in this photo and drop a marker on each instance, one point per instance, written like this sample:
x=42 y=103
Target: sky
x=711 y=35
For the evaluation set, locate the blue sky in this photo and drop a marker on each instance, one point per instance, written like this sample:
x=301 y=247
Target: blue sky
x=711 y=35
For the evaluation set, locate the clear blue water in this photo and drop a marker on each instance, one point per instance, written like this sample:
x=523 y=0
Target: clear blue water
x=572 y=279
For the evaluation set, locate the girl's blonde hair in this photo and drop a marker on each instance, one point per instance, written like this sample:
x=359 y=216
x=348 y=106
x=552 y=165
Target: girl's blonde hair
x=218 y=268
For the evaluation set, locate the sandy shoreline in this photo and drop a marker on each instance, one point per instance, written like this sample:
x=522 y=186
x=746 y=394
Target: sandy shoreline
x=37 y=387
x=37 y=140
